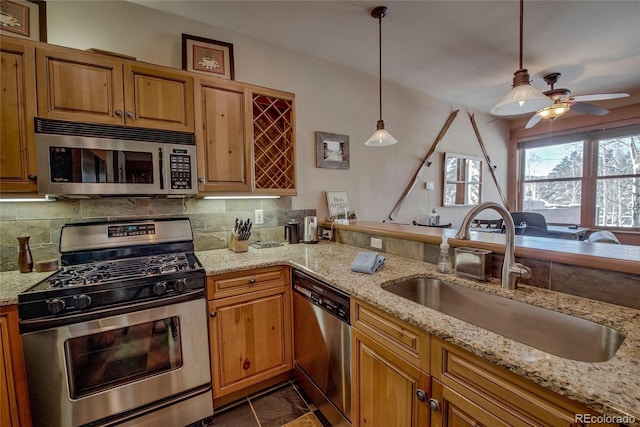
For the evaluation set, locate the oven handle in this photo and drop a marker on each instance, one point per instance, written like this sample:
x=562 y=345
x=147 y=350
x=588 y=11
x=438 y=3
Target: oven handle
x=54 y=322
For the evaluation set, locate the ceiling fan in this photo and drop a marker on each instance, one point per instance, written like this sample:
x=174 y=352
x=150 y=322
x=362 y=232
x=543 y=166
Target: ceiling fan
x=563 y=101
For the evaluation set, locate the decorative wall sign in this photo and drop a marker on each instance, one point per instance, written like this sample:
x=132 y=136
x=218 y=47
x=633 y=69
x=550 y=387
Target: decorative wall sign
x=338 y=202
x=332 y=150
x=207 y=56
x=24 y=19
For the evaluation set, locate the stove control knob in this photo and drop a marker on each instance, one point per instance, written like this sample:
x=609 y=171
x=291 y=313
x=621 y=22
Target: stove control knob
x=55 y=305
x=180 y=285
x=160 y=288
x=83 y=301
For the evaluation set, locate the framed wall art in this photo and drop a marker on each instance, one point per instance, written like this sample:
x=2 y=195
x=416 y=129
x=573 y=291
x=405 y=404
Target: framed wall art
x=332 y=150
x=24 y=19
x=206 y=56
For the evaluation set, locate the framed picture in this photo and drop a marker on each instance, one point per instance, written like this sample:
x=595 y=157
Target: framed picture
x=338 y=203
x=24 y=19
x=332 y=150
x=206 y=56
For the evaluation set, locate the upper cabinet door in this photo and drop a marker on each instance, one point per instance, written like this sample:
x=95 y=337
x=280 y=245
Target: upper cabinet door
x=225 y=151
x=17 y=109
x=79 y=86
x=159 y=98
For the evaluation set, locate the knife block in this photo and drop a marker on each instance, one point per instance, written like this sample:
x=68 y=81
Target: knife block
x=236 y=245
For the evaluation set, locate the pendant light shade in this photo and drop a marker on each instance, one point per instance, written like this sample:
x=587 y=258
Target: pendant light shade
x=522 y=98
x=380 y=137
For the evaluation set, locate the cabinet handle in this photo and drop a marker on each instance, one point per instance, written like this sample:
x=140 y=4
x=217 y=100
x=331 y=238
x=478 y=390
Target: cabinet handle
x=434 y=405
x=252 y=280
x=130 y=115
x=422 y=395
x=119 y=113
x=213 y=313
x=33 y=178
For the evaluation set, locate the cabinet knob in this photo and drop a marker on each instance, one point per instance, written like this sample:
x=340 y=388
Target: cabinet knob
x=422 y=395
x=33 y=178
x=246 y=365
x=201 y=180
x=434 y=405
x=213 y=313
x=119 y=113
x=130 y=115
x=252 y=280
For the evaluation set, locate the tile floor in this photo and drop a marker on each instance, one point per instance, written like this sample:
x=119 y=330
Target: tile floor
x=283 y=405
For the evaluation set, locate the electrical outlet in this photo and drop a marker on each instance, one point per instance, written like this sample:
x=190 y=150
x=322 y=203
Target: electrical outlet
x=430 y=185
x=259 y=216
x=376 y=243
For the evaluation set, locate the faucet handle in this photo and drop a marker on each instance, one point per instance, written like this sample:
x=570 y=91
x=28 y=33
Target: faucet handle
x=522 y=270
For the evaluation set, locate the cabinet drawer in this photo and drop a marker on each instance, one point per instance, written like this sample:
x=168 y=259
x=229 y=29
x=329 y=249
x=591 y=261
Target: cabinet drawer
x=231 y=284
x=408 y=341
x=489 y=386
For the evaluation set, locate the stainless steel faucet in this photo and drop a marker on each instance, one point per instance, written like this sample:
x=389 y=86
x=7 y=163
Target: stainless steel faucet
x=511 y=270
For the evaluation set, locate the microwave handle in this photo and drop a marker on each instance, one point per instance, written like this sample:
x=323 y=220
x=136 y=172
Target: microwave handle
x=161 y=167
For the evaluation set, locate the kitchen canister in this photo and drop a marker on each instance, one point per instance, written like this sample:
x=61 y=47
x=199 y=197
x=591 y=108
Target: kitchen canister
x=25 y=260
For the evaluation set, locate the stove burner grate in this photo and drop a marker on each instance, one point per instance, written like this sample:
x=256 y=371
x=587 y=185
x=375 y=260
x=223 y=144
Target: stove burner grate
x=100 y=272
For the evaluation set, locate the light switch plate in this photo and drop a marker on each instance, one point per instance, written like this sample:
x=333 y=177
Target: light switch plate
x=376 y=243
x=259 y=216
x=430 y=185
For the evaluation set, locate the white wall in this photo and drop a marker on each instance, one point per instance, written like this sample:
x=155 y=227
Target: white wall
x=329 y=98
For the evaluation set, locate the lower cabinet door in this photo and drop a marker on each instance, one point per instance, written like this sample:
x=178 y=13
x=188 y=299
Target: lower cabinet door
x=450 y=409
x=386 y=390
x=250 y=339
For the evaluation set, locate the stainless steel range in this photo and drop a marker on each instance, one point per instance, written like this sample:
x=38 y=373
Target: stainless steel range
x=118 y=336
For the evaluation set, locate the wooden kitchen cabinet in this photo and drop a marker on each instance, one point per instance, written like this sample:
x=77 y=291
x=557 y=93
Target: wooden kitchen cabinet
x=17 y=110
x=14 y=395
x=471 y=391
x=249 y=328
x=389 y=387
x=273 y=136
x=222 y=135
x=88 y=87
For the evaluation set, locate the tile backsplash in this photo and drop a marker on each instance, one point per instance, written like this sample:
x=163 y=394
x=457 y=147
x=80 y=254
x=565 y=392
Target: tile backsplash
x=211 y=220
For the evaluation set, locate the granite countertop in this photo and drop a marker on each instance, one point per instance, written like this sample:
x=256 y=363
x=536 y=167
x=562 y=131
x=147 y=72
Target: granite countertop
x=609 y=387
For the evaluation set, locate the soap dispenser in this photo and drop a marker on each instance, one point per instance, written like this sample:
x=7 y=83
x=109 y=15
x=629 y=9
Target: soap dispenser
x=444 y=262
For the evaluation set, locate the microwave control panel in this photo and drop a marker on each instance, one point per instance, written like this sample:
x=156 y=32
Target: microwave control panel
x=180 y=172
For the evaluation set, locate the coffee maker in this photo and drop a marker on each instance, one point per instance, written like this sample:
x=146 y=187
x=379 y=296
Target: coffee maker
x=310 y=232
x=292 y=231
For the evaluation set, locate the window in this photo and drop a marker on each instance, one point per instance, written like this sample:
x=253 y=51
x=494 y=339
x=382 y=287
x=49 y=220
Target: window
x=590 y=178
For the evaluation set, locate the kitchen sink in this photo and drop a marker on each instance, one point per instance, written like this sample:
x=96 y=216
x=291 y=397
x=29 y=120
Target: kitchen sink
x=556 y=333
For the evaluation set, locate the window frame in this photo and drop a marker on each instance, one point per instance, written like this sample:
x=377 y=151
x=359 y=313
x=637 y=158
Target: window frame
x=590 y=178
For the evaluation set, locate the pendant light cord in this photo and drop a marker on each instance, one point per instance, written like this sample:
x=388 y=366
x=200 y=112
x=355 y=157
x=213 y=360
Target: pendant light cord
x=380 y=61
x=521 y=32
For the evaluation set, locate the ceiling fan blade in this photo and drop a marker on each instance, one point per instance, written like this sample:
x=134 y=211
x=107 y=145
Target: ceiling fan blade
x=599 y=96
x=581 y=107
x=533 y=121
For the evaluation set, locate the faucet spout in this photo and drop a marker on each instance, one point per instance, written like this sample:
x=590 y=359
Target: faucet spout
x=511 y=270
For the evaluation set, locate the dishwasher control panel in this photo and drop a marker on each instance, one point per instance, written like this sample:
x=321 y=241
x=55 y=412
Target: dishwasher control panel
x=322 y=295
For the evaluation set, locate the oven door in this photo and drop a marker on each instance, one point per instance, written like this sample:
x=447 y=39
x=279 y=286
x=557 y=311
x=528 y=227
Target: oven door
x=101 y=370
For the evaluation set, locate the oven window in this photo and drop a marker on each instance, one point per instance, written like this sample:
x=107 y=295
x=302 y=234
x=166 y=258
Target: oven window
x=108 y=359
x=86 y=165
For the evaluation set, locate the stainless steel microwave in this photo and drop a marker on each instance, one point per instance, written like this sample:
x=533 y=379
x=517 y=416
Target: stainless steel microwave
x=78 y=159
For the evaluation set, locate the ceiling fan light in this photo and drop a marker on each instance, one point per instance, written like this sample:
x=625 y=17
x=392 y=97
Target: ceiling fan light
x=554 y=111
x=522 y=98
x=380 y=137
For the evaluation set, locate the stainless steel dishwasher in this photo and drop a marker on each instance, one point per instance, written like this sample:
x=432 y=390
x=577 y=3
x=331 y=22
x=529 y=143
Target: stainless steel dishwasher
x=322 y=343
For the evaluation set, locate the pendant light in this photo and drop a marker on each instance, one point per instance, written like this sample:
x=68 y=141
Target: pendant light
x=380 y=137
x=522 y=98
